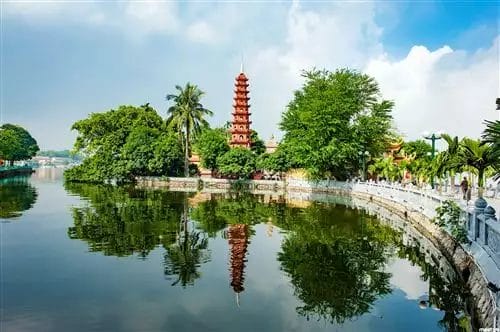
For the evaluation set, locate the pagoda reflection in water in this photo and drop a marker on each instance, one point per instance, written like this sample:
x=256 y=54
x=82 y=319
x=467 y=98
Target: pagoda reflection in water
x=238 y=244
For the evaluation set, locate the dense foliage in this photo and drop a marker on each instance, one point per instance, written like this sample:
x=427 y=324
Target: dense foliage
x=210 y=144
x=121 y=144
x=276 y=162
x=491 y=136
x=417 y=149
x=16 y=143
x=448 y=215
x=332 y=118
x=237 y=163
x=257 y=144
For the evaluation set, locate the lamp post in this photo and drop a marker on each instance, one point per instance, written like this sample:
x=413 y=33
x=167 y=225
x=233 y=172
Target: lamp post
x=433 y=138
x=363 y=155
x=498 y=104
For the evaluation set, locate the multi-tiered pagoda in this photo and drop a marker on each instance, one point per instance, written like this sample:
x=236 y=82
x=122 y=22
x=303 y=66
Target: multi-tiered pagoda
x=240 y=125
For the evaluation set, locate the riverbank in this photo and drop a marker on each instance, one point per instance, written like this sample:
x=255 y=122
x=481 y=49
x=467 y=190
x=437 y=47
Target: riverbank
x=6 y=172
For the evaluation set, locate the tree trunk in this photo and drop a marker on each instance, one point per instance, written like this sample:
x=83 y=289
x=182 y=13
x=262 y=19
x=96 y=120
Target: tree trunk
x=186 y=156
x=452 y=181
x=480 y=182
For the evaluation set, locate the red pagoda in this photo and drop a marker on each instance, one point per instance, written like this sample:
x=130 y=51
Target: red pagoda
x=240 y=125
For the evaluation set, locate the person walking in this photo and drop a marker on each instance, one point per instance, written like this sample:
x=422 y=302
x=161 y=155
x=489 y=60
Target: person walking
x=464 y=185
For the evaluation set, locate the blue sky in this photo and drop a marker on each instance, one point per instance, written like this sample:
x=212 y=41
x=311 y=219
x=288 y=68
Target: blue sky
x=63 y=60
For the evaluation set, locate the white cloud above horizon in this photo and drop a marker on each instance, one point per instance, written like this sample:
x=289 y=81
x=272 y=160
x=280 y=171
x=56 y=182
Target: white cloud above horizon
x=433 y=89
x=441 y=90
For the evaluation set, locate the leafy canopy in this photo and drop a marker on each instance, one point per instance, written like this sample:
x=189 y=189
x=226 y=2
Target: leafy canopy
x=237 y=162
x=211 y=144
x=16 y=143
x=332 y=118
x=121 y=144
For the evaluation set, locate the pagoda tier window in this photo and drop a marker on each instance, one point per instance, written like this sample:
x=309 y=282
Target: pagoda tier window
x=241 y=137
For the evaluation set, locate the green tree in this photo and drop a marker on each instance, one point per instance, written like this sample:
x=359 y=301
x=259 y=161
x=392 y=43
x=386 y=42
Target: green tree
x=210 y=144
x=187 y=117
x=16 y=143
x=332 y=118
x=120 y=144
x=276 y=162
x=138 y=150
x=491 y=135
x=417 y=149
x=257 y=145
x=237 y=162
x=479 y=156
x=168 y=157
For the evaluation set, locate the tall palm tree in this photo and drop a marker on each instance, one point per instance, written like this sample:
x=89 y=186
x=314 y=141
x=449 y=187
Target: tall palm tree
x=187 y=116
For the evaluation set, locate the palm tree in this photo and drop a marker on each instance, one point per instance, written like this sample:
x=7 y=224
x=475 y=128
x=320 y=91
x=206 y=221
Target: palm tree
x=491 y=135
x=444 y=163
x=475 y=154
x=187 y=116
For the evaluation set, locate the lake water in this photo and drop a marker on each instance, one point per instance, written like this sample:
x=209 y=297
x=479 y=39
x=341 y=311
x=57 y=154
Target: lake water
x=96 y=258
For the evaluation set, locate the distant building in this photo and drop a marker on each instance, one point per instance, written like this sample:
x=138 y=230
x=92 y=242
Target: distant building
x=271 y=145
x=240 y=124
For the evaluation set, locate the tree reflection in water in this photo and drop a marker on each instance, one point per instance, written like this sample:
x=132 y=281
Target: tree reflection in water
x=16 y=196
x=447 y=293
x=335 y=256
x=335 y=261
x=123 y=221
x=184 y=257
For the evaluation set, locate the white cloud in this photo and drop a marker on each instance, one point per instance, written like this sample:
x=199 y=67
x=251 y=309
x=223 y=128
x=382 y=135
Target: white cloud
x=443 y=89
x=338 y=36
x=48 y=12
x=202 y=32
x=406 y=277
x=131 y=17
x=437 y=89
x=152 y=16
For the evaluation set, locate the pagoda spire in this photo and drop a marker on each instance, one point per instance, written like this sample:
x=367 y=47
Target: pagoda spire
x=240 y=124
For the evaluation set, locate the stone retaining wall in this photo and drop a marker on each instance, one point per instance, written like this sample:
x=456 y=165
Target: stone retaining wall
x=6 y=173
x=212 y=185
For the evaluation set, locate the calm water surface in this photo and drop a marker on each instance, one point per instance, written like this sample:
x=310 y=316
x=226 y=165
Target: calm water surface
x=96 y=258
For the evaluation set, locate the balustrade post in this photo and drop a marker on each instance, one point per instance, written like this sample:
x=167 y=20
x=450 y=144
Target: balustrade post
x=489 y=214
x=479 y=207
